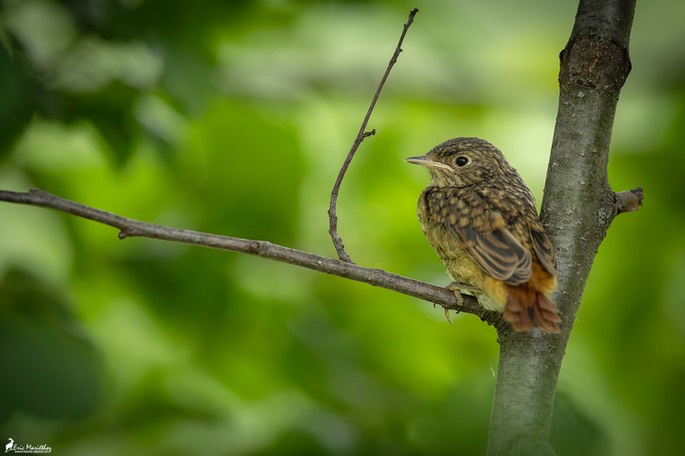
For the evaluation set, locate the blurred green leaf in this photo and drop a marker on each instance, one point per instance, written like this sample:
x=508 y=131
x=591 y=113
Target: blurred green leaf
x=50 y=367
x=574 y=432
x=18 y=102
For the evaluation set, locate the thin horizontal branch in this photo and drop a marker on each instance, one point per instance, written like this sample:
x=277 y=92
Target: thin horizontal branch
x=376 y=277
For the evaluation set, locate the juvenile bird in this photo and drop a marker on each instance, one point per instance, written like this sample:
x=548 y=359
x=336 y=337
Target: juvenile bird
x=480 y=218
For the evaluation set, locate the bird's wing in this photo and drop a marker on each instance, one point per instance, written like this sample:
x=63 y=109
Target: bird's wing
x=498 y=253
x=478 y=222
x=543 y=249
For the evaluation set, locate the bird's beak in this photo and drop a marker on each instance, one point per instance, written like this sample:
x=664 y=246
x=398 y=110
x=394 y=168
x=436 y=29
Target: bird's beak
x=423 y=161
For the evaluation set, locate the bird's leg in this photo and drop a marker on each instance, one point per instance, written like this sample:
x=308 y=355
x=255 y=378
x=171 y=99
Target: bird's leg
x=459 y=287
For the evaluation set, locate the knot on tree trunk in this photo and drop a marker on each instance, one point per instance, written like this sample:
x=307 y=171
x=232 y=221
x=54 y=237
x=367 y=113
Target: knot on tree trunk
x=594 y=62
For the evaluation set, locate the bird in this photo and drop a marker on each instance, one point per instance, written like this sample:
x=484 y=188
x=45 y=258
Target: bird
x=480 y=218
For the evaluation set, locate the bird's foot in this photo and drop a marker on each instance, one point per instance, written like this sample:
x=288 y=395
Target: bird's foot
x=458 y=288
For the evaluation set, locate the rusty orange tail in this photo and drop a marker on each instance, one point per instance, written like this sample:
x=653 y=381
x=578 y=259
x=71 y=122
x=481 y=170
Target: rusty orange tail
x=528 y=308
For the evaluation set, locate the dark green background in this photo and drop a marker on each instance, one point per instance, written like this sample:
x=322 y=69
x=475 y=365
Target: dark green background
x=234 y=118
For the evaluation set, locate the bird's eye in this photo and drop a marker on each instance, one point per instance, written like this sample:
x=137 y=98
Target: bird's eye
x=461 y=161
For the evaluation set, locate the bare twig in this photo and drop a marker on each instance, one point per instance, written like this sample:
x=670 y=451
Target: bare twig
x=361 y=135
x=134 y=228
x=629 y=200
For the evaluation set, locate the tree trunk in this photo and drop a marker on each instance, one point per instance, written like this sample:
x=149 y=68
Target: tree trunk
x=577 y=209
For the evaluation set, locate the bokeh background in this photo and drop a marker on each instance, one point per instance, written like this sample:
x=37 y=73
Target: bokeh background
x=233 y=117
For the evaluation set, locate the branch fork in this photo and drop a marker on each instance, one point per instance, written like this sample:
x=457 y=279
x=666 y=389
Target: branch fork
x=361 y=135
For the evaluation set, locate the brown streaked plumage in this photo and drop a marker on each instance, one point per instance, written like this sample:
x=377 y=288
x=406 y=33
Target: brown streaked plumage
x=480 y=218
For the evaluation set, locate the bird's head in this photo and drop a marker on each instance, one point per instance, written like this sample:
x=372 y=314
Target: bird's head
x=462 y=162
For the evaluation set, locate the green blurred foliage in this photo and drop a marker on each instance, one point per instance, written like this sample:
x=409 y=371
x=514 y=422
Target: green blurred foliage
x=233 y=118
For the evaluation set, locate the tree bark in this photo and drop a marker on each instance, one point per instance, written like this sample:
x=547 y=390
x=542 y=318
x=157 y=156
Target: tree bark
x=578 y=207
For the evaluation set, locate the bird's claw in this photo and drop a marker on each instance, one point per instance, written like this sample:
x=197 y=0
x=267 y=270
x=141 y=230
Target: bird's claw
x=447 y=315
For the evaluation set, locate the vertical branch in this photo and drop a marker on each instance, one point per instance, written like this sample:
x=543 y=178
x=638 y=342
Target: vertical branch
x=578 y=204
x=577 y=209
x=361 y=135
